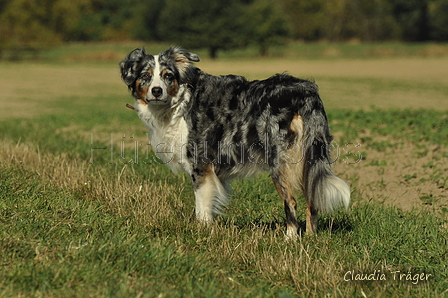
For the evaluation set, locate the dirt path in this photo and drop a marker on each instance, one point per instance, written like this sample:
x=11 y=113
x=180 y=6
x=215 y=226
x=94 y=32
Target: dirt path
x=406 y=175
x=418 y=69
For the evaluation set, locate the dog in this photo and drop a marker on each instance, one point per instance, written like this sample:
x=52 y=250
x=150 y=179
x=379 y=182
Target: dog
x=217 y=128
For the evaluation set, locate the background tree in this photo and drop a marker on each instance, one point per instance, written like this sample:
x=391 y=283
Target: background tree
x=30 y=25
x=146 y=20
x=438 y=16
x=103 y=20
x=373 y=20
x=215 y=25
x=306 y=18
x=412 y=15
x=24 y=25
x=266 y=24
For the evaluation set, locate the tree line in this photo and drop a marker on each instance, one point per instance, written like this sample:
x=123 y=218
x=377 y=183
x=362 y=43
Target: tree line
x=218 y=24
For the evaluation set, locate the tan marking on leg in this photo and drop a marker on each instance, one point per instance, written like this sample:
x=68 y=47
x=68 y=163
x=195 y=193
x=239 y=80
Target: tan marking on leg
x=297 y=125
x=311 y=219
x=285 y=191
x=292 y=163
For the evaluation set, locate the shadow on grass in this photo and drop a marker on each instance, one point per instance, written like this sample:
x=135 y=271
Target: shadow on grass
x=334 y=225
x=340 y=224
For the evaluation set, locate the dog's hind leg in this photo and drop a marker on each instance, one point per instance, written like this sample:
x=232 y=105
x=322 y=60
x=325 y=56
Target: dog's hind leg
x=311 y=218
x=287 y=176
x=285 y=190
x=209 y=192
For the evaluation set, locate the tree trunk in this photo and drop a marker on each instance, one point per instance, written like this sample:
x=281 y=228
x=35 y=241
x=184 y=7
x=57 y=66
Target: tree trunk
x=213 y=51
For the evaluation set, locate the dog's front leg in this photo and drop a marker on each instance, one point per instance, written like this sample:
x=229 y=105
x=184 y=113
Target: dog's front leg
x=207 y=189
x=210 y=191
x=204 y=202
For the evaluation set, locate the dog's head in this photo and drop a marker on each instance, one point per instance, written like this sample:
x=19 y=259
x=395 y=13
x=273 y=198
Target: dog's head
x=156 y=79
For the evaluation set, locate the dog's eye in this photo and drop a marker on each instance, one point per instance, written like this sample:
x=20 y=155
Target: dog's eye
x=146 y=76
x=169 y=76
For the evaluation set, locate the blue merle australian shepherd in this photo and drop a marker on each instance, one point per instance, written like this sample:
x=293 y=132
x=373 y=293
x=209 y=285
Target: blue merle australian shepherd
x=216 y=128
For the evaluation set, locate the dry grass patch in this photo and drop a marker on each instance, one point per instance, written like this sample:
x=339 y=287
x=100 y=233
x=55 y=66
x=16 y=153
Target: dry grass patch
x=162 y=210
x=30 y=90
x=120 y=189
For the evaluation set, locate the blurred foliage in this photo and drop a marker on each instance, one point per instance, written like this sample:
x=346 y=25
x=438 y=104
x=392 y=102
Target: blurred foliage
x=266 y=24
x=438 y=13
x=215 y=25
x=31 y=25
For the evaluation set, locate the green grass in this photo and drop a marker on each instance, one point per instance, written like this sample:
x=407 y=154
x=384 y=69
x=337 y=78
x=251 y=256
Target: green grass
x=58 y=241
x=71 y=228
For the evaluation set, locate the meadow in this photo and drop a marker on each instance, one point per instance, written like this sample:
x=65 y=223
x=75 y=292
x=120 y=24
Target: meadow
x=86 y=210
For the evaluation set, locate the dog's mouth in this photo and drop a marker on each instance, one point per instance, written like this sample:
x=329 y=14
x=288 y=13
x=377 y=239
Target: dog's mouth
x=156 y=100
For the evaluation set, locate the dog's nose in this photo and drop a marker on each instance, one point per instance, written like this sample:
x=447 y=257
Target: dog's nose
x=156 y=91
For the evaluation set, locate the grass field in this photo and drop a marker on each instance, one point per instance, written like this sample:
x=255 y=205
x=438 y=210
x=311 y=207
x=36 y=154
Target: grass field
x=83 y=222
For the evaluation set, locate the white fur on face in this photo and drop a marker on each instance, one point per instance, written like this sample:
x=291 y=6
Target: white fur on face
x=157 y=82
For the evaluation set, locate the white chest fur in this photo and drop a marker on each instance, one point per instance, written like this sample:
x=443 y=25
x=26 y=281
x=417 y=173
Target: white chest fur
x=168 y=134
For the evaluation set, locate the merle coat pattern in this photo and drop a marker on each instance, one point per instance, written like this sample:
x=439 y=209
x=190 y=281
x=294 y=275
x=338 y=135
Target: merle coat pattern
x=217 y=128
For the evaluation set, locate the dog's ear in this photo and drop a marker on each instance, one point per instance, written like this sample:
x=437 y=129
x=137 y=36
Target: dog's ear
x=182 y=56
x=182 y=59
x=130 y=65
